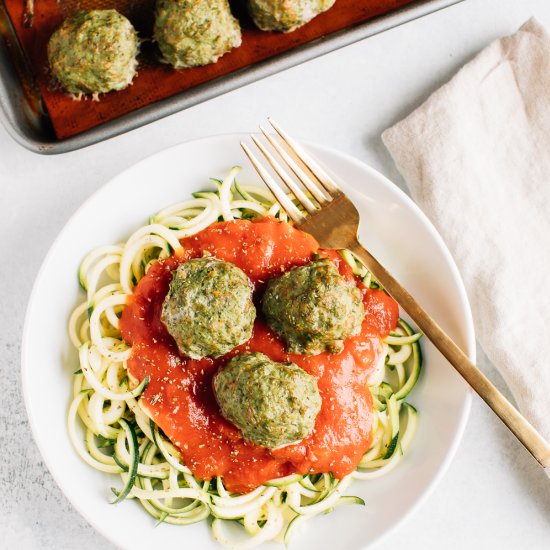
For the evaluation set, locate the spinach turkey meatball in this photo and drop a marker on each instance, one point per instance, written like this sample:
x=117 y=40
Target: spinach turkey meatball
x=192 y=33
x=313 y=308
x=273 y=404
x=285 y=15
x=94 y=52
x=208 y=309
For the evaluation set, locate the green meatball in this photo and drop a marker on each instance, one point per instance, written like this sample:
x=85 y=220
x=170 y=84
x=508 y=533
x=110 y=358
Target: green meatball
x=192 y=33
x=285 y=15
x=94 y=52
x=208 y=309
x=273 y=404
x=313 y=308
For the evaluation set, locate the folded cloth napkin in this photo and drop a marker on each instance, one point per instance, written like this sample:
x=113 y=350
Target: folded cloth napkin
x=476 y=158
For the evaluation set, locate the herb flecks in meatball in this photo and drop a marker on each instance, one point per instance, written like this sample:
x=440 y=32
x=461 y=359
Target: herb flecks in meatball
x=285 y=15
x=94 y=52
x=191 y=33
x=313 y=308
x=208 y=309
x=273 y=404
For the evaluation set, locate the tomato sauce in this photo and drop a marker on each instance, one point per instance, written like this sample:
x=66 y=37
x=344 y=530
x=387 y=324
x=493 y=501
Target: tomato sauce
x=180 y=398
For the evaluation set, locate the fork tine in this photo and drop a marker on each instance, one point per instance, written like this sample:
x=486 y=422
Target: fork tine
x=328 y=183
x=296 y=216
x=298 y=193
x=315 y=189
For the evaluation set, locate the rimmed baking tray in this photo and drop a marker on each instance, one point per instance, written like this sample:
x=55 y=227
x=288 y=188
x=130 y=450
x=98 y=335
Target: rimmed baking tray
x=23 y=108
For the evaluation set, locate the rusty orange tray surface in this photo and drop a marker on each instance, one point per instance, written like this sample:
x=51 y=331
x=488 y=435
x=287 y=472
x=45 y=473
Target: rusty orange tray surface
x=156 y=81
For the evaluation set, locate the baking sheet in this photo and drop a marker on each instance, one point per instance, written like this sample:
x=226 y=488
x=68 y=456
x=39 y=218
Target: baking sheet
x=59 y=124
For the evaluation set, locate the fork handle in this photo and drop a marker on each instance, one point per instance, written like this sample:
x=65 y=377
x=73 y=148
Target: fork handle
x=517 y=424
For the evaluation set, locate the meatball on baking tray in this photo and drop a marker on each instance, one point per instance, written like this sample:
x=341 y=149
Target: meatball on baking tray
x=212 y=48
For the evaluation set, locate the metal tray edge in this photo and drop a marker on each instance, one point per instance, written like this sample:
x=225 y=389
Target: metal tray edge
x=11 y=95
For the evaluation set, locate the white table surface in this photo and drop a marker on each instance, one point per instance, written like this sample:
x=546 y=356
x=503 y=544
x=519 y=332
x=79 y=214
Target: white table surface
x=494 y=495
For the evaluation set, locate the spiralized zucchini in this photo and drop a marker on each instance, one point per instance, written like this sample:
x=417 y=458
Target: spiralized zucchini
x=119 y=437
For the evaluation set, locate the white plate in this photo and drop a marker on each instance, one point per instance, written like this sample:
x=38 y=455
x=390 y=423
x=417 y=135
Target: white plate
x=392 y=226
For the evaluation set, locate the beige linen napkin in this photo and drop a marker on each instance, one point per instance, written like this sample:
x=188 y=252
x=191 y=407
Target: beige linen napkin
x=476 y=157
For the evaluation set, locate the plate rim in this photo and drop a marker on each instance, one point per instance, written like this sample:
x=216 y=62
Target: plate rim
x=468 y=326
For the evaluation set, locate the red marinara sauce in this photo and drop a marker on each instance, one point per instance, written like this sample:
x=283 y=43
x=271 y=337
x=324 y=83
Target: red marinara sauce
x=180 y=398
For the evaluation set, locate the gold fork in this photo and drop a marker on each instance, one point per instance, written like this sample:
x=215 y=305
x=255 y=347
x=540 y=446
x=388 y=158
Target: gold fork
x=334 y=222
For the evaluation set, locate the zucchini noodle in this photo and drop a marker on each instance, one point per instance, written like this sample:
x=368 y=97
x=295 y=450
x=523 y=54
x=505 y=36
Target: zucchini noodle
x=119 y=437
